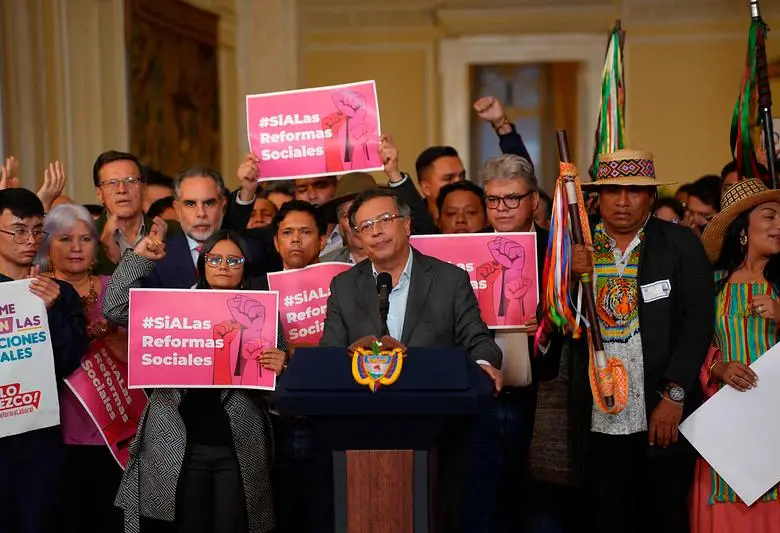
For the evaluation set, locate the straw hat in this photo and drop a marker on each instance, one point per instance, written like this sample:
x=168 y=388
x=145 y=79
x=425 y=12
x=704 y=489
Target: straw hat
x=349 y=187
x=740 y=197
x=626 y=167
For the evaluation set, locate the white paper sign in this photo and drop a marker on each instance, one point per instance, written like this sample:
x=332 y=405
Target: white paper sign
x=28 y=387
x=737 y=432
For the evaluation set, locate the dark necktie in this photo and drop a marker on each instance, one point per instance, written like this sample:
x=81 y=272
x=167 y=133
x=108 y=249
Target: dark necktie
x=198 y=248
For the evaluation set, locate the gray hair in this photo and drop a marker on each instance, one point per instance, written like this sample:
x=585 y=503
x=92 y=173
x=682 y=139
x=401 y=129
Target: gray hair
x=198 y=172
x=508 y=167
x=62 y=219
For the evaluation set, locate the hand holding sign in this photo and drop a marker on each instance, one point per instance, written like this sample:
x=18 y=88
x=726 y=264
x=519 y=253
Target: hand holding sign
x=248 y=173
x=44 y=287
x=273 y=359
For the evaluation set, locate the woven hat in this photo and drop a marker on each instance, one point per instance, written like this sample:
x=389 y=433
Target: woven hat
x=740 y=197
x=626 y=167
x=349 y=187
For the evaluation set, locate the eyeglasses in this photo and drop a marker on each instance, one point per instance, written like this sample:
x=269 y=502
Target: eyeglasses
x=511 y=201
x=22 y=235
x=232 y=261
x=128 y=182
x=381 y=222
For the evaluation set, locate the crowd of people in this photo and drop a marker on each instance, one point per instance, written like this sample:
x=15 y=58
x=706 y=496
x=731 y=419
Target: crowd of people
x=687 y=295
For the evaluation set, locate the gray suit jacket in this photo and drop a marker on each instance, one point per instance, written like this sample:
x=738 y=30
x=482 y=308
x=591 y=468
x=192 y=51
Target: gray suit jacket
x=441 y=310
x=339 y=256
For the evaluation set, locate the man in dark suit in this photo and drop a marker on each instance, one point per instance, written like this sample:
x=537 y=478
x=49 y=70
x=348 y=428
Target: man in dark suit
x=655 y=299
x=199 y=205
x=498 y=468
x=32 y=464
x=431 y=303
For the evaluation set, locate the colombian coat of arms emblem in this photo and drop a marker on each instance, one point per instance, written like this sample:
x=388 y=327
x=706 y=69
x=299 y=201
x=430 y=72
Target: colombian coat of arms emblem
x=377 y=364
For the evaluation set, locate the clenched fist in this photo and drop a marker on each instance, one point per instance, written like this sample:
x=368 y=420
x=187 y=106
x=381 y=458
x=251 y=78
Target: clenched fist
x=248 y=312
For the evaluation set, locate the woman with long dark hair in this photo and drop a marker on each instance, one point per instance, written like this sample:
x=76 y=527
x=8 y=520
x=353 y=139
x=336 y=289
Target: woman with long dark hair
x=743 y=242
x=201 y=460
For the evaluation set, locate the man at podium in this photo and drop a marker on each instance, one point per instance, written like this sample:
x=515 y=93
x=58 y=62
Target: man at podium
x=431 y=303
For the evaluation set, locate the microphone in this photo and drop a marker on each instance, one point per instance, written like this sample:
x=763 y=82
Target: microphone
x=384 y=284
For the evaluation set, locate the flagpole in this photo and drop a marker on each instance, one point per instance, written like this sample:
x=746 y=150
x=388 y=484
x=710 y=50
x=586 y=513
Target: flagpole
x=764 y=96
x=588 y=295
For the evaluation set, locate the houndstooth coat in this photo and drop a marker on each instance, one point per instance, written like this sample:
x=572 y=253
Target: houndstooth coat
x=151 y=478
x=150 y=481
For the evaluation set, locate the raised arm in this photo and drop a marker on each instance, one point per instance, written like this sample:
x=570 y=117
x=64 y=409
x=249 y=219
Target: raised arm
x=402 y=184
x=490 y=110
x=135 y=265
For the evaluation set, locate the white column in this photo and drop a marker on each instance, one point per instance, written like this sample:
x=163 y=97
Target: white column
x=65 y=86
x=267 y=51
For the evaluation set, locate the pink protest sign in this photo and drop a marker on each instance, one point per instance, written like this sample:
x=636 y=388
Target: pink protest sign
x=201 y=338
x=502 y=268
x=315 y=132
x=304 y=295
x=100 y=384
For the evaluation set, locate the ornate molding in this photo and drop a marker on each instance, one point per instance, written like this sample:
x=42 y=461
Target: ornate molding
x=315 y=18
x=644 y=11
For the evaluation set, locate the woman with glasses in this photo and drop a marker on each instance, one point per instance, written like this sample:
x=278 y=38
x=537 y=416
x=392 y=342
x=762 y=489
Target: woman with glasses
x=201 y=461
x=69 y=251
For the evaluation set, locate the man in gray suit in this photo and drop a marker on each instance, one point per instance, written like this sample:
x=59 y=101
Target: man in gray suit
x=431 y=303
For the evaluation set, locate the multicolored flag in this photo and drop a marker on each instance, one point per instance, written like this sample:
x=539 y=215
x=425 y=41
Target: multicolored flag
x=754 y=97
x=559 y=310
x=611 y=129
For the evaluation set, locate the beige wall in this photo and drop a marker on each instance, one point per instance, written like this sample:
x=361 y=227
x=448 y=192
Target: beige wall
x=682 y=76
x=64 y=81
x=65 y=85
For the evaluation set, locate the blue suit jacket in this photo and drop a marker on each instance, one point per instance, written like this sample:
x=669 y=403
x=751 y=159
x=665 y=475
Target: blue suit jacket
x=176 y=270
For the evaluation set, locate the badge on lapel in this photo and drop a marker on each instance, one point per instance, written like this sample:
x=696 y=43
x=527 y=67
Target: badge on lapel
x=376 y=362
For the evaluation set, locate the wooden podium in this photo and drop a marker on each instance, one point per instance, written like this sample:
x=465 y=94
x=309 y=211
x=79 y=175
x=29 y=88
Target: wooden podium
x=380 y=441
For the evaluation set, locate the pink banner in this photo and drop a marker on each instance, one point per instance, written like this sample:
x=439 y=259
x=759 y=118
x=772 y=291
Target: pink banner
x=502 y=268
x=101 y=387
x=202 y=338
x=315 y=132
x=304 y=296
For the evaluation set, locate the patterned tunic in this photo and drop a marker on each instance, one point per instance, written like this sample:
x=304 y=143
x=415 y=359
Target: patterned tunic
x=741 y=335
x=617 y=302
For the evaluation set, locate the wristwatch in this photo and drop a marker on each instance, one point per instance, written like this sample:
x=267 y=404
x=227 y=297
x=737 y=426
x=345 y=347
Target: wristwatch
x=675 y=392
